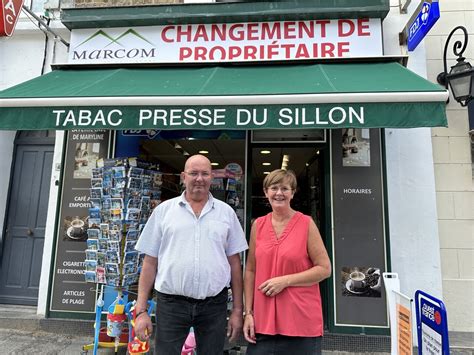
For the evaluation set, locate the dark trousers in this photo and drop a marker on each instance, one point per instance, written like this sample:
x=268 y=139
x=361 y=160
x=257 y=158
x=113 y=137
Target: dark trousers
x=176 y=314
x=284 y=345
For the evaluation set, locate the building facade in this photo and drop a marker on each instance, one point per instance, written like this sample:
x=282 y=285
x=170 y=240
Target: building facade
x=414 y=220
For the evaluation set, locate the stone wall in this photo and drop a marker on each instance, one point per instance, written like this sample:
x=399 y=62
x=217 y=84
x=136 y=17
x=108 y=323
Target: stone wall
x=453 y=173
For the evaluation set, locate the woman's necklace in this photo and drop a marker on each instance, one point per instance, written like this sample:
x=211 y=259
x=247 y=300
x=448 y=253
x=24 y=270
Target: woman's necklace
x=279 y=224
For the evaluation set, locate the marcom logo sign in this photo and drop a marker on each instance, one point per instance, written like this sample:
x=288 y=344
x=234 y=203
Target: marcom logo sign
x=137 y=46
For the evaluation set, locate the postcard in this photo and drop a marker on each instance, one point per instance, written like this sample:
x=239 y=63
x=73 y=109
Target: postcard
x=130 y=268
x=113 y=246
x=101 y=279
x=115 y=235
x=96 y=173
x=112 y=268
x=90 y=276
x=95 y=202
x=94 y=212
x=112 y=256
x=94 y=223
x=120 y=183
x=116 y=203
x=132 y=234
x=91 y=254
x=92 y=244
x=133 y=203
x=135 y=172
x=133 y=214
x=130 y=257
x=113 y=280
x=130 y=245
x=96 y=183
x=93 y=233
x=96 y=192
x=101 y=258
x=90 y=265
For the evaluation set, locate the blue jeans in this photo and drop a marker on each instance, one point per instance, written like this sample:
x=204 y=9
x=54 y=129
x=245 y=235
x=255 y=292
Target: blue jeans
x=176 y=314
x=283 y=345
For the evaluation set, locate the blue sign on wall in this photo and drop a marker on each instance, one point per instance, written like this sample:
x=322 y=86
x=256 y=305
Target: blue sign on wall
x=426 y=16
x=431 y=324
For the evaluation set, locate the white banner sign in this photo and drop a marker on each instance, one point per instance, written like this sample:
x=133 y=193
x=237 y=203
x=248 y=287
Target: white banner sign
x=227 y=42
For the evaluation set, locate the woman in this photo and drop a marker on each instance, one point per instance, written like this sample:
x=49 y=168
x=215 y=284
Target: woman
x=287 y=260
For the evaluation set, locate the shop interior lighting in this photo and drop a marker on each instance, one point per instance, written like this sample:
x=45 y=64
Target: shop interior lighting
x=266 y=172
x=317 y=152
x=265 y=151
x=266 y=164
x=203 y=152
x=461 y=76
x=285 y=161
x=214 y=164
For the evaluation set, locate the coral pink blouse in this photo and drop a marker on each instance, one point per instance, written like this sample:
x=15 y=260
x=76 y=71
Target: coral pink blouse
x=296 y=311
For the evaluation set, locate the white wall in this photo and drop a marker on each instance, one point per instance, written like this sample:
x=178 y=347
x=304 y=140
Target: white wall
x=414 y=242
x=24 y=56
x=6 y=152
x=454 y=180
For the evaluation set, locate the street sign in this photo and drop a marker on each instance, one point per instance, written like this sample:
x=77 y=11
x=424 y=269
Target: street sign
x=424 y=17
x=431 y=324
x=9 y=12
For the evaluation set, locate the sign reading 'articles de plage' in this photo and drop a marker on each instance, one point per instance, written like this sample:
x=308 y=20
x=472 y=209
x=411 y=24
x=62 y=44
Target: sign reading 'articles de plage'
x=228 y=42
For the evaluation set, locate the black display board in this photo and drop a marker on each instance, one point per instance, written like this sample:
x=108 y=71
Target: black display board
x=358 y=228
x=70 y=292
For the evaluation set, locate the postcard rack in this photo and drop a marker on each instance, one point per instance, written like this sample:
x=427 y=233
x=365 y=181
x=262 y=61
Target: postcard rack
x=123 y=193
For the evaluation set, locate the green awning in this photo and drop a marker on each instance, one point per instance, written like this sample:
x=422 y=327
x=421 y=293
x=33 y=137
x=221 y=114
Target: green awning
x=330 y=95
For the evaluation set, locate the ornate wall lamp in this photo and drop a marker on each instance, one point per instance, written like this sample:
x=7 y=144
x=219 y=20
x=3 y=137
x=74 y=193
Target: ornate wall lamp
x=461 y=76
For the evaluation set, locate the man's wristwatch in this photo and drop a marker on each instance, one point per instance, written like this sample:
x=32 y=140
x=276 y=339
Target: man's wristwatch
x=248 y=312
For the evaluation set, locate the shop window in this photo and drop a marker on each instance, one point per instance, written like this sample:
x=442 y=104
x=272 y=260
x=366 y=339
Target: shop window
x=171 y=149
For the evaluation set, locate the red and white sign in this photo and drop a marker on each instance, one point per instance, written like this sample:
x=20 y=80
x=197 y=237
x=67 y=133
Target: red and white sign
x=9 y=13
x=227 y=42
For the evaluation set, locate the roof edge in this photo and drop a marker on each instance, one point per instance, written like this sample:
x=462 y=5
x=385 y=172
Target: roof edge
x=248 y=11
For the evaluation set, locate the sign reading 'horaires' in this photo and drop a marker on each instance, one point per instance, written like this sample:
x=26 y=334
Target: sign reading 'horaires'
x=227 y=42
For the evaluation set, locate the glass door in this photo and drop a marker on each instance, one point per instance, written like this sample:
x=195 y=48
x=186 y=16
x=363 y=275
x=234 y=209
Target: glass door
x=308 y=162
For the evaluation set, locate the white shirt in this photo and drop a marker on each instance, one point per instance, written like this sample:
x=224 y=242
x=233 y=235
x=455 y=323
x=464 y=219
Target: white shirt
x=192 y=252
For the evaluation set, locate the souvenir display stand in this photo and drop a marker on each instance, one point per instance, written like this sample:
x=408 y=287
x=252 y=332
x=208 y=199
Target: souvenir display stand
x=123 y=193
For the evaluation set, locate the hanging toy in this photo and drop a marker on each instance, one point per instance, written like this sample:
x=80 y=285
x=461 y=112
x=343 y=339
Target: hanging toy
x=116 y=317
x=135 y=345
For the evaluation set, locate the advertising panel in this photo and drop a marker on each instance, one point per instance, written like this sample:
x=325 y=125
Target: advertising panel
x=70 y=292
x=432 y=325
x=358 y=228
x=228 y=42
x=423 y=19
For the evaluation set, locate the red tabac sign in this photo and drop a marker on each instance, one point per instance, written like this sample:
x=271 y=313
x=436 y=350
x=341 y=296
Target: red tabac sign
x=9 y=13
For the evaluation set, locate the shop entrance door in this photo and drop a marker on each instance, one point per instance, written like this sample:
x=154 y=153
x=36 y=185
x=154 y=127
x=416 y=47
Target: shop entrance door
x=307 y=161
x=22 y=245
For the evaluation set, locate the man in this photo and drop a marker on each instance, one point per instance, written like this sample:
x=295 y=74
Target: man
x=192 y=245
